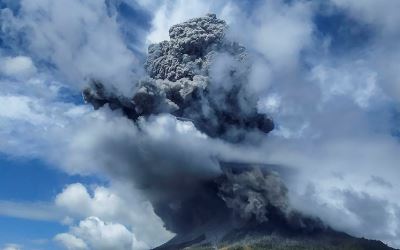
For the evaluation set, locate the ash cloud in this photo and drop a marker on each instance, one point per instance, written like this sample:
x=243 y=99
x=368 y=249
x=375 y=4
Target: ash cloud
x=251 y=193
x=198 y=75
x=197 y=93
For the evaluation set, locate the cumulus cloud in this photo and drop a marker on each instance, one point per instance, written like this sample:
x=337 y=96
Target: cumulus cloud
x=109 y=205
x=70 y=242
x=93 y=233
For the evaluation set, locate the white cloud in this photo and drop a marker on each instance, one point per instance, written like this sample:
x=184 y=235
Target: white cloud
x=382 y=54
x=93 y=233
x=19 y=66
x=285 y=30
x=75 y=196
x=130 y=210
x=48 y=123
x=355 y=80
x=382 y=13
x=70 y=241
x=82 y=43
x=22 y=108
x=276 y=29
x=12 y=247
x=332 y=178
x=270 y=104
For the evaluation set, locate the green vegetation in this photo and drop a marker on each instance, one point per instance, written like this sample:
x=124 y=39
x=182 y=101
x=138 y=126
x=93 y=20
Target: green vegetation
x=279 y=243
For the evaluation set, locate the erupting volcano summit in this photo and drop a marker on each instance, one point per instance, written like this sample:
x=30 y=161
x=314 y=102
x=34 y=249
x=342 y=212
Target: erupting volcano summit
x=201 y=76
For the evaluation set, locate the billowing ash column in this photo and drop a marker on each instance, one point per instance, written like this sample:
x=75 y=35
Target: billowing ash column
x=198 y=75
x=201 y=76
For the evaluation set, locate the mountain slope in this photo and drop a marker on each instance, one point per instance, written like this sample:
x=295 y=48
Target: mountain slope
x=240 y=240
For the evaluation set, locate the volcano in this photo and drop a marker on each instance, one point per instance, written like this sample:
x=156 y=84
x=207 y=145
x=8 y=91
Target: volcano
x=201 y=77
x=272 y=225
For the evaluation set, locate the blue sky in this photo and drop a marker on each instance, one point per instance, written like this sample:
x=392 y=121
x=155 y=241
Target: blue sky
x=33 y=180
x=22 y=231
x=329 y=78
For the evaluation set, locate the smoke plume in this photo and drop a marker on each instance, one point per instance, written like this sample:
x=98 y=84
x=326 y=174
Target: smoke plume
x=199 y=77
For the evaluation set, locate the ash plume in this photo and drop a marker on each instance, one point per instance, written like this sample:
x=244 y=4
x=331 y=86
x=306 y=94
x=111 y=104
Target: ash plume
x=251 y=193
x=199 y=76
